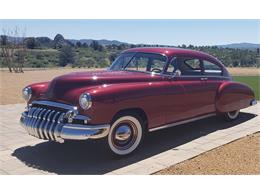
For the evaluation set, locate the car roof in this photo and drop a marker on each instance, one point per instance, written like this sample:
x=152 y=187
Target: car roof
x=170 y=51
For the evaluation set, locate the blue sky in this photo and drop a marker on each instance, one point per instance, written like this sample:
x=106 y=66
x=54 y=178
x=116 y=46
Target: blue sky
x=167 y=32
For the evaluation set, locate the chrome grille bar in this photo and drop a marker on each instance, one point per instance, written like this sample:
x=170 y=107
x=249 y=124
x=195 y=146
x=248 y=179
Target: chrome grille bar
x=46 y=121
x=35 y=121
x=56 y=129
x=45 y=129
x=31 y=120
x=43 y=123
x=37 y=125
x=51 y=134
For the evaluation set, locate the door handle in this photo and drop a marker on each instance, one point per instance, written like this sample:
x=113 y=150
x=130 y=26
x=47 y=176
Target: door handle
x=204 y=78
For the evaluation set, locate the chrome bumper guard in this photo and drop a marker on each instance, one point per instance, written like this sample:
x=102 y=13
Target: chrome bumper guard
x=50 y=124
x=253 y=102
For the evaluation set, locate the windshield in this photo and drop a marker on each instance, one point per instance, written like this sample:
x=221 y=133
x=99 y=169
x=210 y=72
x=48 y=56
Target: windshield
x=143 y=62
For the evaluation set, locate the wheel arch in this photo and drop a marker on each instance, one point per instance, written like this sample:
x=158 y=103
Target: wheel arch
x=135 y=110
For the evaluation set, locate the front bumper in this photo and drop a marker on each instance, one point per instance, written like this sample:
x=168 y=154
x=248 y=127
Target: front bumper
x=50 y=124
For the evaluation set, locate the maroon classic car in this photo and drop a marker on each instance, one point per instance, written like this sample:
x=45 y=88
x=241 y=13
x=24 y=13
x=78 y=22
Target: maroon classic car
x=144 y=90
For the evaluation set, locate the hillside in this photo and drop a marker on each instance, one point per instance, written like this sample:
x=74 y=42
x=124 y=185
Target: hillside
x=101 y=41
x=250 y=46
x=46 y=52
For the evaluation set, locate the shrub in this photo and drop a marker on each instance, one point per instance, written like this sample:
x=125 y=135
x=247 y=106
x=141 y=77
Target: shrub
x=66 y=56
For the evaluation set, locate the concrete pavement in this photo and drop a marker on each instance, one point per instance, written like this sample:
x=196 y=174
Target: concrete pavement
x=24 y=154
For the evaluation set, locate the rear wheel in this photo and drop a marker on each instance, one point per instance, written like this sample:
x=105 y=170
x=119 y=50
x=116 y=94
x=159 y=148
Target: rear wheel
x=233 y=115
x=125 y=135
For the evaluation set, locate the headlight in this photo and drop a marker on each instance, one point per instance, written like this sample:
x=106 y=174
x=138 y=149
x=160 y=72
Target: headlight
x=85 y=101
x=27 y=93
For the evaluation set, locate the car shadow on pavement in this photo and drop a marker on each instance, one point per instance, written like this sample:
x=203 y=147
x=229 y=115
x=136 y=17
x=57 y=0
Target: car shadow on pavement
x=93 y=157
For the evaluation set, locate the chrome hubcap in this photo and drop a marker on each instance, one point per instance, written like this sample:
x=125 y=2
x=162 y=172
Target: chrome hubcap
x=124 y=135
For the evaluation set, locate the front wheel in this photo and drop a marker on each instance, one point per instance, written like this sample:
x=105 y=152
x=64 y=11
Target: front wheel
x=125 y=134
x=233 y=115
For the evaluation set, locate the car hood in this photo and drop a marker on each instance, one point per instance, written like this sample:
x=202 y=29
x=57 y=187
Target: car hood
x=68 y=86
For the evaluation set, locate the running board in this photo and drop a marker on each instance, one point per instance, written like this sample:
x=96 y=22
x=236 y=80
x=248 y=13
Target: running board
x=182 y=122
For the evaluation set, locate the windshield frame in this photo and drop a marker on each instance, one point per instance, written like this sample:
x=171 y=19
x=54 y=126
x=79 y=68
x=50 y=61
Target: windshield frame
x=135 y=53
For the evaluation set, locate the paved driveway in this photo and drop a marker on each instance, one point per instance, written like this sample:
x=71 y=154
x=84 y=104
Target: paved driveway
x=23 y=154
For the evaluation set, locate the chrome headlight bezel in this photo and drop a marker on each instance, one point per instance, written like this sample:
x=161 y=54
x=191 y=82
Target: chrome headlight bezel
x=85 y=101
x=27 y=93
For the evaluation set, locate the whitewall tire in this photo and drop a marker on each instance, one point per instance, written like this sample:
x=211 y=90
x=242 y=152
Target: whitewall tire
x=125 y=135
x=230 y=116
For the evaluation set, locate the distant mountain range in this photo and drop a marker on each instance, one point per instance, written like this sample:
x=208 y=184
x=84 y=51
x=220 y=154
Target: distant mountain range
x=251 y=46
x=101 y=41
x=240 y=46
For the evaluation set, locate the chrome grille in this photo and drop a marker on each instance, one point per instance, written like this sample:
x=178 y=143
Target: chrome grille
x=43 y=123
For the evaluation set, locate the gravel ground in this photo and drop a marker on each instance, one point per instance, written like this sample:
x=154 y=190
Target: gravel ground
x=238 y=157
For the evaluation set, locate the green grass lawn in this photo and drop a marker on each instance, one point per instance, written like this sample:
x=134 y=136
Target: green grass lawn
x=252 y=81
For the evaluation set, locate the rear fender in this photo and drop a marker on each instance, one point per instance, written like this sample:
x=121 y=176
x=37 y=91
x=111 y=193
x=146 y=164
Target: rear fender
x=233 y=96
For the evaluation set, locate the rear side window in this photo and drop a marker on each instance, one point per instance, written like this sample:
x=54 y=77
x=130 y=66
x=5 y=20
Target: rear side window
x=193 y=63
x=211 y=68
x=190 y=66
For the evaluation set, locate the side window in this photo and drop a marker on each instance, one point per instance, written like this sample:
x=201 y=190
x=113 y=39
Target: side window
x=193 y=63
x=190 y=66
x=138 y=63
x=157 y=63
x=147 y=62
x=211 y=68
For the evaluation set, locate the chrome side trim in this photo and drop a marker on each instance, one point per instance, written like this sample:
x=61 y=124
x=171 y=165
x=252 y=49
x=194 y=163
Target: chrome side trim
x=181 y=122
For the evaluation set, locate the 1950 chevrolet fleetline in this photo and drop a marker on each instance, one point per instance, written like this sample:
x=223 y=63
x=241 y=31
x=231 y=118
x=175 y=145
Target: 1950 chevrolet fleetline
x=144 y=90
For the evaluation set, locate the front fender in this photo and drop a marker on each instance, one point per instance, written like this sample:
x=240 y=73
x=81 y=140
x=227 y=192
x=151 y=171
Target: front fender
x=38 y=90
x=233 y=96
x=110 y=99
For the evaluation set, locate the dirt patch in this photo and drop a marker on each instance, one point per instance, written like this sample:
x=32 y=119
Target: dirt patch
x=11 y=84
x=244 y=71
x=239 y=157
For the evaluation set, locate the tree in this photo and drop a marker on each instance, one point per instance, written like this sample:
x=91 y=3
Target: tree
x=59 y=41
x=112 y=57
x=183 y=46
x=90 y=62
x=13 y=50
x=7 y=52
x=104 y=62
x=78 y=44
x=96 y=46
x=66 y=55
x=30 y=42
x=85 y=45
x=43 y=41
